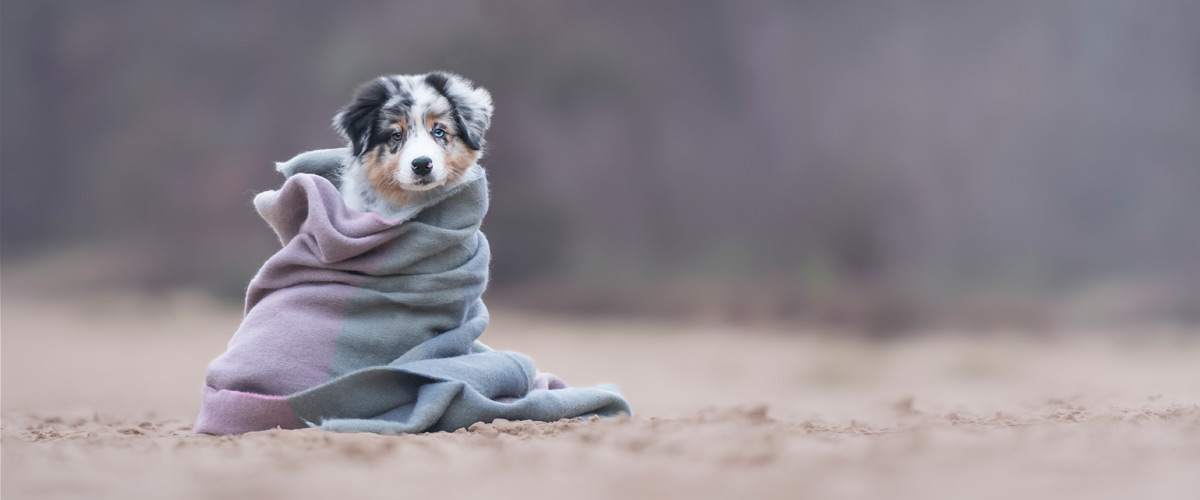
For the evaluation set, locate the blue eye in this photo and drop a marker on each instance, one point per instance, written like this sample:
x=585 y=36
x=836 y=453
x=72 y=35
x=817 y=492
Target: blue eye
x=439 y=133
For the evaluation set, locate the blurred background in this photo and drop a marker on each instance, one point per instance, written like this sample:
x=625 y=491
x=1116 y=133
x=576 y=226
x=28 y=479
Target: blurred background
x=877 y=165
x=832 y=249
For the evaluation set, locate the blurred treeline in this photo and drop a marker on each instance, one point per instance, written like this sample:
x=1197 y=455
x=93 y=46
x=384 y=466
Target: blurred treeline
x=877 y=161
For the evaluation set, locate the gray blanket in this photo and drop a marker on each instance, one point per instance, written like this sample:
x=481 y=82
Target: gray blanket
x=365 y=324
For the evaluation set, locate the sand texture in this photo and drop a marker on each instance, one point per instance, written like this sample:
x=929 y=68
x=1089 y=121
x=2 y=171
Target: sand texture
x=99 y=397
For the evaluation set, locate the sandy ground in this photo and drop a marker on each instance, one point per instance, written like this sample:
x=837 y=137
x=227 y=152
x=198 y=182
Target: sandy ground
x=98 y=399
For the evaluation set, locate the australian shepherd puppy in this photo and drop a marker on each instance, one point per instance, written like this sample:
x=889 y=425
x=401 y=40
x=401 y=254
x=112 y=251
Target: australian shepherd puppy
x=409 y=134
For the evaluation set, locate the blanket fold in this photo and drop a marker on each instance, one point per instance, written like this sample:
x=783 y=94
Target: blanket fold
x=364 y=324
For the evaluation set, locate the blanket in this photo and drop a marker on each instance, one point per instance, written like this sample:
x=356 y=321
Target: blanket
x=366 y=324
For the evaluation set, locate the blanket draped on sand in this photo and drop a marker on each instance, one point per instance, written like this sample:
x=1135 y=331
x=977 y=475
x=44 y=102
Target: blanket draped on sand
x=361 y=324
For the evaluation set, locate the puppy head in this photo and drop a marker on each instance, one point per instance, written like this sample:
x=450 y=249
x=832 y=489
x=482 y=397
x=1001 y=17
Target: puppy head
x=415 y=132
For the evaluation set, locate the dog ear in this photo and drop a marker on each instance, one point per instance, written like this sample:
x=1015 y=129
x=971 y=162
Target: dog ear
x=471 y=106
x=358 y=120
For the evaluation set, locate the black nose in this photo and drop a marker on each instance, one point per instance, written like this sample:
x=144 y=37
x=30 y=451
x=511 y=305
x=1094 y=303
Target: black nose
x=421 y=166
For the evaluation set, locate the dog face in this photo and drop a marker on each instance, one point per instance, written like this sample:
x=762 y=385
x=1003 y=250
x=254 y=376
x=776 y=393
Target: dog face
x=415 y=132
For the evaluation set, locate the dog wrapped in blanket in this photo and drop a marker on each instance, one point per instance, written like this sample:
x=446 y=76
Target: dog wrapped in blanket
x=369 y=322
